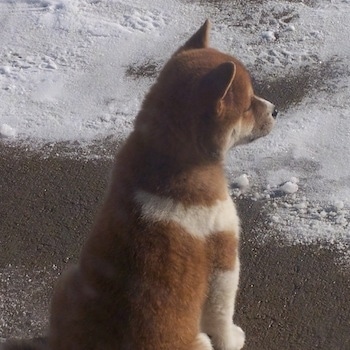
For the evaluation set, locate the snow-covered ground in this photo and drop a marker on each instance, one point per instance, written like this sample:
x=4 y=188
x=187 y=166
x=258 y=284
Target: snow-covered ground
x=75 y=71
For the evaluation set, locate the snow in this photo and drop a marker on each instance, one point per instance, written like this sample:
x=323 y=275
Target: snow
x=289 y=187
x=268 y=35
x=242 y=182
x=76 y=71
x=240 y=185
x=7 y=131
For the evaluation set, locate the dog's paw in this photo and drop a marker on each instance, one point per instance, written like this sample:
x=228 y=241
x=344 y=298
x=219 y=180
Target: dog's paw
x=233 y=339
x=203 y=342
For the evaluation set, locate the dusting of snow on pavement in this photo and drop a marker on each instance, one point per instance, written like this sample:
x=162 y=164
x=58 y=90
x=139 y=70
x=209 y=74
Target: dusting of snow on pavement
x=76 y=71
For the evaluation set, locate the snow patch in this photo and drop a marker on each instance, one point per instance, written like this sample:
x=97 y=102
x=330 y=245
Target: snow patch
x=240 y=185
x=268 y=36
x=6 y=131
x=289 y=187
x=242 y=182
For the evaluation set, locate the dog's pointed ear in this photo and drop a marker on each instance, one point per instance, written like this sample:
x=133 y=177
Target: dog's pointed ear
x=199 y=40
x=216 y=84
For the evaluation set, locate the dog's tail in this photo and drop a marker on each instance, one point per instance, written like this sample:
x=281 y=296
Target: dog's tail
x=32 y=344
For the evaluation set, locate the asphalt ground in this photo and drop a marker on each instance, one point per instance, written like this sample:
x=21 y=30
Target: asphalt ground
x=290 y=297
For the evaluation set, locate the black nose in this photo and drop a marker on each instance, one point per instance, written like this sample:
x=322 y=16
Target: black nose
x=274 y=113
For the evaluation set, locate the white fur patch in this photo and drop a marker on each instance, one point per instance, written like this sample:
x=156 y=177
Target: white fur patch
x=239 y=133
x=200 y=221
x=269 y=106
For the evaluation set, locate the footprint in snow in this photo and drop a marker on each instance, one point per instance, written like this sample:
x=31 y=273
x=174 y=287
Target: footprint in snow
x=143 y=21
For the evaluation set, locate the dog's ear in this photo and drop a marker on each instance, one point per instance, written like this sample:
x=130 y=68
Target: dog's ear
x=216 y=84
x=198 y=40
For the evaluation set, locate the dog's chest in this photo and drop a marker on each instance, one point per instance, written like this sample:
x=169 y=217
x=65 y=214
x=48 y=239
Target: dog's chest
x=198 y=220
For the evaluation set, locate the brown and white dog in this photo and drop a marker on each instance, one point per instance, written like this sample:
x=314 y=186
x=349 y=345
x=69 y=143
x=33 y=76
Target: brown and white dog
x=160 y=269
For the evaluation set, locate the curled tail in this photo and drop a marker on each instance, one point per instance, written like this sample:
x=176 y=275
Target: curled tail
x=32 y=344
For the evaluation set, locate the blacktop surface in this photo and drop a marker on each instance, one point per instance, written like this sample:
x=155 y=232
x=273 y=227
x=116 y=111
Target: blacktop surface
x=291 y=297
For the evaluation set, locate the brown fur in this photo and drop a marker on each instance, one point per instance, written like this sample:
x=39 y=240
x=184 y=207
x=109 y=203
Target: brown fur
x=222 y=248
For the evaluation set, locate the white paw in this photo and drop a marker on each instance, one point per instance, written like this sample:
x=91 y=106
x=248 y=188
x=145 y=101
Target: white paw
x=233 y=339
x=204 y=342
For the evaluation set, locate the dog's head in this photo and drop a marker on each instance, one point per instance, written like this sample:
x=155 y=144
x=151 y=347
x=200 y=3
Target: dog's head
x=203 y=102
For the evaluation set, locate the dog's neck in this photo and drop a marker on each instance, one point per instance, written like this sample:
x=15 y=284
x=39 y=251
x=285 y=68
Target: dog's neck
x=141 y=166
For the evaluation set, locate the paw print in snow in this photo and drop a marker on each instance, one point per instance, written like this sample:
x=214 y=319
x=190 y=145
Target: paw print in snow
x=144 y=21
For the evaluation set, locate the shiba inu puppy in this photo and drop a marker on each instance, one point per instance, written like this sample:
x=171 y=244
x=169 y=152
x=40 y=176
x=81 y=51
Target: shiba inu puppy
x=160 y=268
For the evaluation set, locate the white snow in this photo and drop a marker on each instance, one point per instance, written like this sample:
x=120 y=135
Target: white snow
x=71 y=71
x=268 y=35
x=240 y=185
x=7 y=131
x=289 y=187
x=242 y=182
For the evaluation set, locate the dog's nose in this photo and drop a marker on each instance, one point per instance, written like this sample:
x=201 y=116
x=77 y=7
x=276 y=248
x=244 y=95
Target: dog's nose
x=274 y=113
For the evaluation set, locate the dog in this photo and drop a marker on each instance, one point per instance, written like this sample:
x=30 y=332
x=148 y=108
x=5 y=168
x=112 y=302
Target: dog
x=160 y=269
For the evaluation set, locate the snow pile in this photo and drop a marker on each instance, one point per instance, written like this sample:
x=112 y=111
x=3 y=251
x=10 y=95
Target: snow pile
x=6 y=131
x=289 y=187
x=269 y=35
x=240 y=185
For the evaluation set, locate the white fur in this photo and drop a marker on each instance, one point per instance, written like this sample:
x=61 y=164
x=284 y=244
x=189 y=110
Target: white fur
x=198 y=220
x=239 y=133
x=204 y=342
x=219 y=309
x=269 y=106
